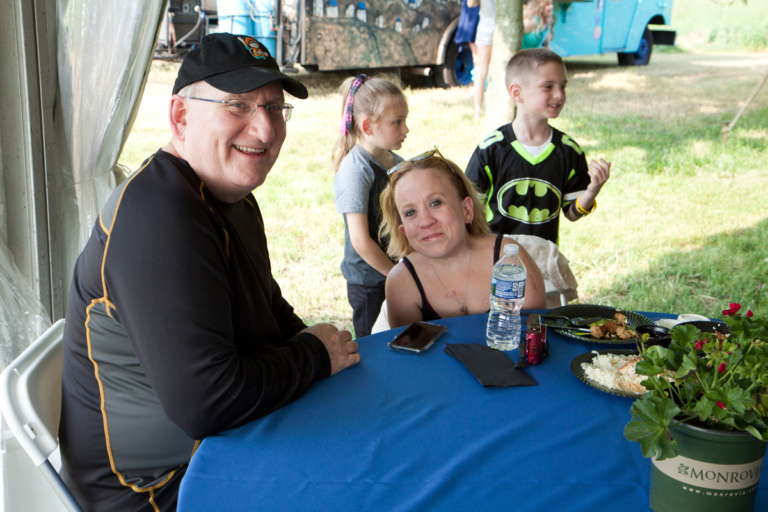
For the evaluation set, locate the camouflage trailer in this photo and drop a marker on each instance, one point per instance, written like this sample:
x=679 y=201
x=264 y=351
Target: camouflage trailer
x=416 y=35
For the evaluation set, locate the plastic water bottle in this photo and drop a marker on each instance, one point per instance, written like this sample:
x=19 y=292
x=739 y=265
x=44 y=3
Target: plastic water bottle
x=507 y=297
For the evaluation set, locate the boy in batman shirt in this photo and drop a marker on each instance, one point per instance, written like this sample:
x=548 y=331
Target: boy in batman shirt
x=528 y=170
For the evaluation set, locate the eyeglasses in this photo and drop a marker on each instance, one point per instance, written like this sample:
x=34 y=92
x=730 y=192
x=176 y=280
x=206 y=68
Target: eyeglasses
x=422 y=156
x=247 y=110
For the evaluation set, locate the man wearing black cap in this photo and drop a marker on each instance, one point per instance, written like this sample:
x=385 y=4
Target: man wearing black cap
x=175 y=328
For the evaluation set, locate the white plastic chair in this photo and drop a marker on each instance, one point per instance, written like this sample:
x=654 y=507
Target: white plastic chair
x=382 y=321
x=30 y=400
x=559 y=282
x=553 y=296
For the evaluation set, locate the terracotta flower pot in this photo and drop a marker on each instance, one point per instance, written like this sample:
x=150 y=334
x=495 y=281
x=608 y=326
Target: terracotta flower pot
x=715 y=471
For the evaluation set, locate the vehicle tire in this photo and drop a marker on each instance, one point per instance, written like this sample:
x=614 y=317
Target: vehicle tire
x=643 y=54
x=458 y=66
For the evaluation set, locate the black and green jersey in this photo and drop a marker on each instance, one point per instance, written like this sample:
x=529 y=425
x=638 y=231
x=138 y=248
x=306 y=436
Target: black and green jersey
x=175 y=331
x=524 y=194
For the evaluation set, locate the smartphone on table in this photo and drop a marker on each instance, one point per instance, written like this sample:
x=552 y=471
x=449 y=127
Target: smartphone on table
x=417 y=337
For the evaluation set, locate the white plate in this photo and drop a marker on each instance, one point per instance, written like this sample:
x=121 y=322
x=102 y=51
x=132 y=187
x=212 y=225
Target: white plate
x=667 y=322
x=581 y=374
x=690 y=317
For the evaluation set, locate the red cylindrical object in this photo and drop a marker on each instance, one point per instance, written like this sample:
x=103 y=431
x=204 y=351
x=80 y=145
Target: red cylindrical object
x=534 y=348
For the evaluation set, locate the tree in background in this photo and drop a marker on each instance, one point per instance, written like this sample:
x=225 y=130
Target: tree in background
x=507 y=40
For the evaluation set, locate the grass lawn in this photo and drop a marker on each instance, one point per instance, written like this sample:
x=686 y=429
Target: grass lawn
x=681 y=227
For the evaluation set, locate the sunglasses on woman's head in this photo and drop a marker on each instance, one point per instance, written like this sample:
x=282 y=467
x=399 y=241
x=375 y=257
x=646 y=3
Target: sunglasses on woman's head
x=418 y=158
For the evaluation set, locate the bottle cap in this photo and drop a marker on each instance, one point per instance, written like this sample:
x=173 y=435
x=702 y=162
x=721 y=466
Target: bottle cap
x=511 y=249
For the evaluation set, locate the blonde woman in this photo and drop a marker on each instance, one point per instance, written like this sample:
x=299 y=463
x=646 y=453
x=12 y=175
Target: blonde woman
x=436 y=224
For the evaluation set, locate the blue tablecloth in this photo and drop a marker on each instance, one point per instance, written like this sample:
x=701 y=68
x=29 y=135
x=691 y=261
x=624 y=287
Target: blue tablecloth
x=403 y=433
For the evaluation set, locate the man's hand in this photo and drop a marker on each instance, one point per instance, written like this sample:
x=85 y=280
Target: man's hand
x=342 y=349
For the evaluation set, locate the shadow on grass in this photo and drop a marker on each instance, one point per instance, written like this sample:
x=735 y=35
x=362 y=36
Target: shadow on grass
x=672 y=144
x=323 y=83
x=645 y=109
x=731 y=267
x=587 y=66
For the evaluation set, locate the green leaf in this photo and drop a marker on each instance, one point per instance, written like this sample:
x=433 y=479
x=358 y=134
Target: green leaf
x=689 y=364
x=667 y=449
x=654 y=442
x=636 y=430
x=655 y=410
x=683 y=336
x=763 y=407
x=651 y=417
x=644 y=367
x=756 y=433
x=704 y=408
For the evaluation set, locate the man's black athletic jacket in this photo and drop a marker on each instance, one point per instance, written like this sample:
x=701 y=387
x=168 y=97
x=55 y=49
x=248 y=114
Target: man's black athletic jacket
x=175 y=330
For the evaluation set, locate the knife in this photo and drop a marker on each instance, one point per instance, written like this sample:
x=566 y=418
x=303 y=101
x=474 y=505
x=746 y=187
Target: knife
x=567 y=328
x=574 y=322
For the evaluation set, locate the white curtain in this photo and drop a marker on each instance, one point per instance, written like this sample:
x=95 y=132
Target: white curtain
x=105 y=47
x=22 y=317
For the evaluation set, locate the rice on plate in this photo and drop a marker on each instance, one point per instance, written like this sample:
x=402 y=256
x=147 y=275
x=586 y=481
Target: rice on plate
x=615 y=371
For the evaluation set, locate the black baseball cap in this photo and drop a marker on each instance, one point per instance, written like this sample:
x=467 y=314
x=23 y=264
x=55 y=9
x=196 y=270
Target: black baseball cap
x=235 y=64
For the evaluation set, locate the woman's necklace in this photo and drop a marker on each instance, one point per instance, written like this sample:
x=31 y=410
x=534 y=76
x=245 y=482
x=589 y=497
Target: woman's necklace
x=462 y=305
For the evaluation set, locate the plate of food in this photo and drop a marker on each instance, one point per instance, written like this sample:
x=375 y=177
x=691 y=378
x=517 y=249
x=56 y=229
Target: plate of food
x=611 y=371
x=596 y=324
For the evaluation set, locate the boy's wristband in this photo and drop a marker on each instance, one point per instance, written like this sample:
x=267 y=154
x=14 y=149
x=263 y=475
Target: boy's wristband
x=584 y=212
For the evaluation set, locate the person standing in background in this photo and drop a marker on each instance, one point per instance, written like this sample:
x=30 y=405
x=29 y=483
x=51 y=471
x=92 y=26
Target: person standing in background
x=467 y=27
x=484 y=43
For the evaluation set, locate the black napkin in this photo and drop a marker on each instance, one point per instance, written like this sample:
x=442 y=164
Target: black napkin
x=491 y=367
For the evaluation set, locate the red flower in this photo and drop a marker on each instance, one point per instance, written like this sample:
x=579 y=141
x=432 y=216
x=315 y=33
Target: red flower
x=749 y=312
x=700 y=344
x=735 y=307
x=720 y=404
x=721 y=368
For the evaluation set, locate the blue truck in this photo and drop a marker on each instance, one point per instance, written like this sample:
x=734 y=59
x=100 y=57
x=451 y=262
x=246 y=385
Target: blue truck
x=630 y=28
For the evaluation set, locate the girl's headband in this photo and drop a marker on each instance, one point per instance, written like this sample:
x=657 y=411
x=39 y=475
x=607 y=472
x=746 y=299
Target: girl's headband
x=347 y=122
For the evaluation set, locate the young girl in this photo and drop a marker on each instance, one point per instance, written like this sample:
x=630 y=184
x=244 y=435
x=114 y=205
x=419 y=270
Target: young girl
x=372 y=126
x=538 y=23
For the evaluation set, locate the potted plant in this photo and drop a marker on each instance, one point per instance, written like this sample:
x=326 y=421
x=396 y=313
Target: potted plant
x=704 y=419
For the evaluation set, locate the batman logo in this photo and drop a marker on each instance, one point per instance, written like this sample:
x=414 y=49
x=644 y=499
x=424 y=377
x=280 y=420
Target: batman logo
x=516 y=197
